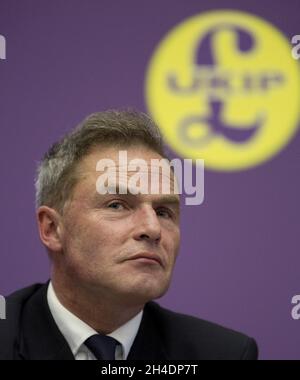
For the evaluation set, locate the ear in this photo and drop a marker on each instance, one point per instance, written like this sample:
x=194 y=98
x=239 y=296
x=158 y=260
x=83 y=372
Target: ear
x=49 y=224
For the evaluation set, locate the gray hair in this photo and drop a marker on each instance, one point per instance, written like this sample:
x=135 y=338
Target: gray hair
x=56 y=174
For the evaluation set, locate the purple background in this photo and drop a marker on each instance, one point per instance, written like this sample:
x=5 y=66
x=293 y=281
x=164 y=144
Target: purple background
x=239 y=263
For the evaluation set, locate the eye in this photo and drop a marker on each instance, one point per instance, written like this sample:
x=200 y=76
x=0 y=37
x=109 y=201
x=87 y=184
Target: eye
x=164 y=212
x=116 y=205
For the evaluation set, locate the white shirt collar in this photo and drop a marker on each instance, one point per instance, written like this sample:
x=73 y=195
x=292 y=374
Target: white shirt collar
x=76 y=332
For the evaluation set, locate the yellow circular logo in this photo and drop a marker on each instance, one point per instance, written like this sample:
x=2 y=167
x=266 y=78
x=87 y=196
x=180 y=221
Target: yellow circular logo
x=223 y=86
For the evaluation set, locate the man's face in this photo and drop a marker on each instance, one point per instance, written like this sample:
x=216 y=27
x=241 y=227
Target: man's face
x=121 y=246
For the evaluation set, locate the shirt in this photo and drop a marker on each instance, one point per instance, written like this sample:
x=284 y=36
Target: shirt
x=76 y=331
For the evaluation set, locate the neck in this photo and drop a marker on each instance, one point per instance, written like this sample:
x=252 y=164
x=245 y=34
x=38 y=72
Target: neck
x=104 y=314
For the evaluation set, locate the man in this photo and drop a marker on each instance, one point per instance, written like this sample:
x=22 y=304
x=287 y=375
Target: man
x=112 y=253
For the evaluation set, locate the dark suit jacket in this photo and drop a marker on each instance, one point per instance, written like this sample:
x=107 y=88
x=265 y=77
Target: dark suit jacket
x=30 y=332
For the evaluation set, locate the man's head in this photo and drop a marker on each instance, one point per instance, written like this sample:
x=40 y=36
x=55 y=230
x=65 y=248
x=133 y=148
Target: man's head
x=119 y=246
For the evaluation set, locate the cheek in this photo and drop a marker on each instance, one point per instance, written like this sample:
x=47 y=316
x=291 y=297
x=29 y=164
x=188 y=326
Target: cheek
x=173 y=236
x=172 y=242
x=79 y=238
x=94 y=238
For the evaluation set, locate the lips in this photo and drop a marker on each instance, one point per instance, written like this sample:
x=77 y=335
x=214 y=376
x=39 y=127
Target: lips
x=147 y=256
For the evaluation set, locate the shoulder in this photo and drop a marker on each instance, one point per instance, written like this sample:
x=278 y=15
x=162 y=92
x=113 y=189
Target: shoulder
x=191 y=337
x=23 y=294
x=10 y=326
x=16 y=300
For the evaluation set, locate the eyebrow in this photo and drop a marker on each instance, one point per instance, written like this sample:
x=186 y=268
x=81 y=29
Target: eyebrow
x=166 y=199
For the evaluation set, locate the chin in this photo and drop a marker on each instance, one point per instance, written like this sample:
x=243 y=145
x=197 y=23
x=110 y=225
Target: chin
x=145 y=294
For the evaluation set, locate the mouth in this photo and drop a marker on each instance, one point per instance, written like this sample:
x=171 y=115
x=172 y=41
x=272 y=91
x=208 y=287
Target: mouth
x=147 y=258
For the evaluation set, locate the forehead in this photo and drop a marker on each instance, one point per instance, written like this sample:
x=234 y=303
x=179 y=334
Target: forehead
x=103 y=152
x=124 y=164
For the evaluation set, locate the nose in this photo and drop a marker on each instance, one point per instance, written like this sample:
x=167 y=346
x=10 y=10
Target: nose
x=148 y=225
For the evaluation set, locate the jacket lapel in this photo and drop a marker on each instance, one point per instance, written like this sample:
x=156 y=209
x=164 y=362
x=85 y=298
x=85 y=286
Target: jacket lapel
x=148 y=344
x=41 y=338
